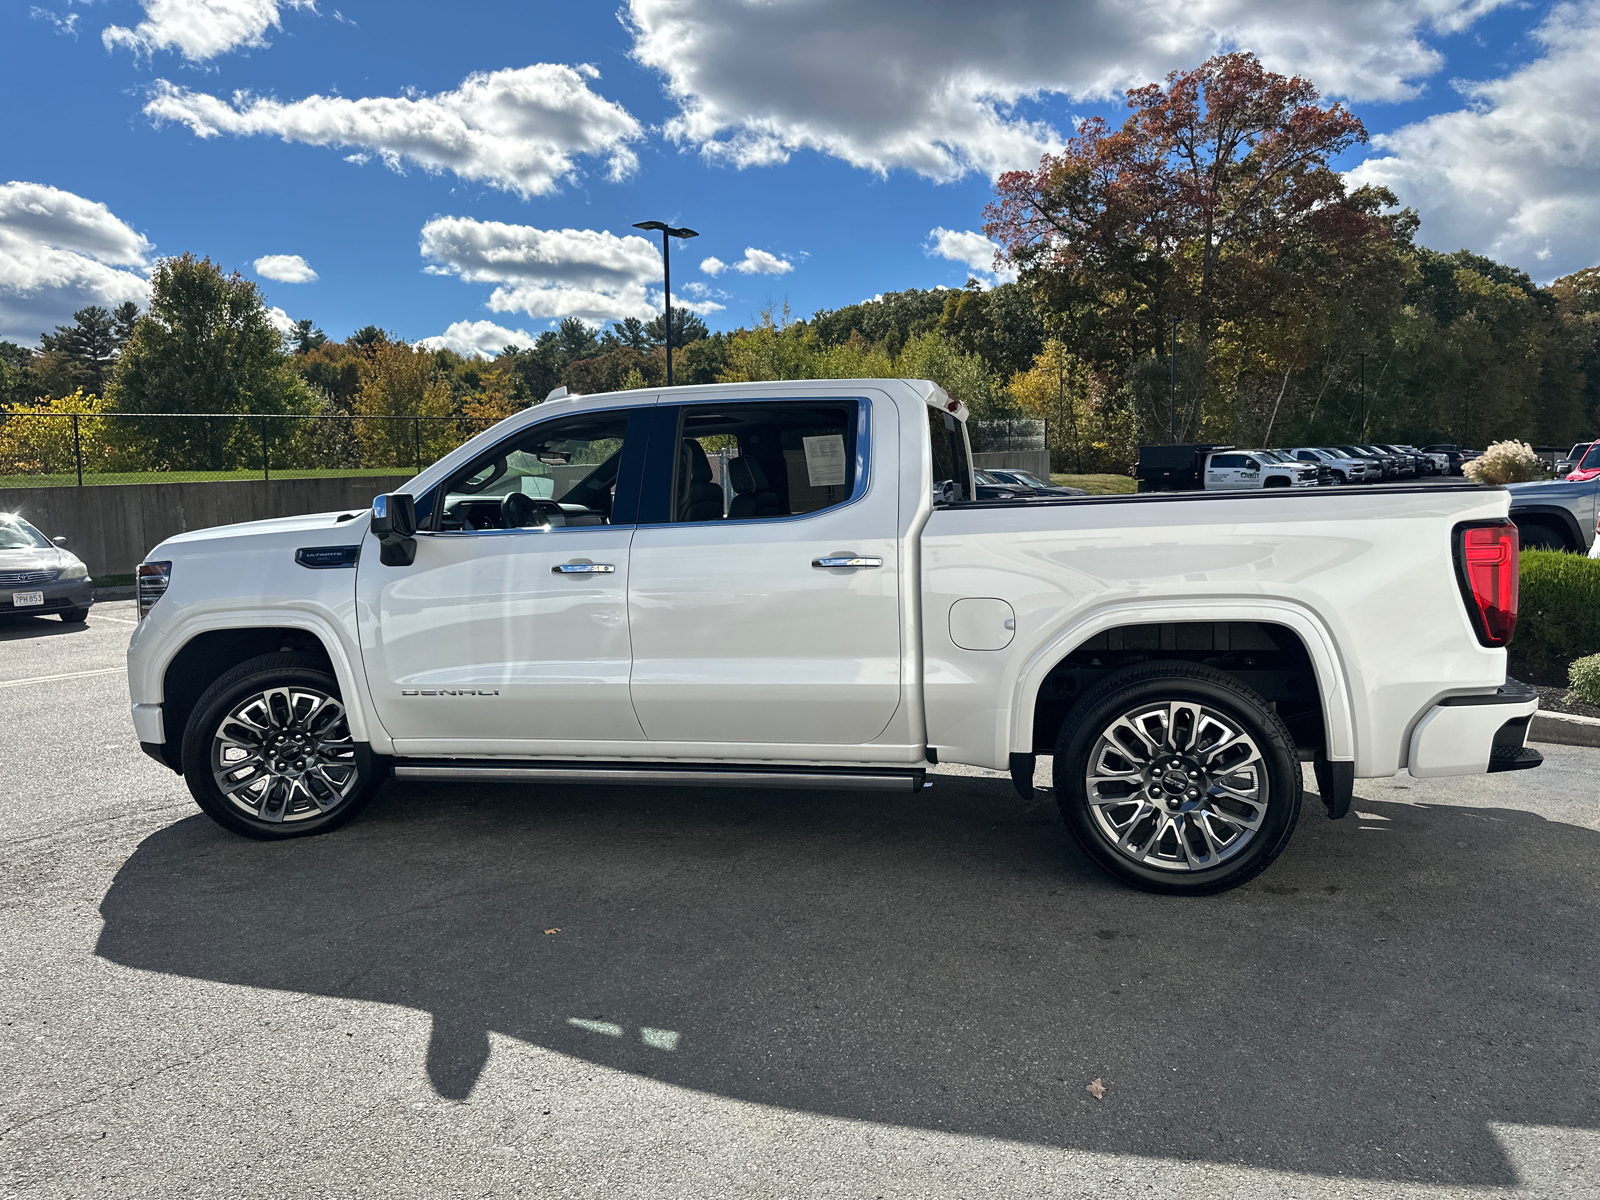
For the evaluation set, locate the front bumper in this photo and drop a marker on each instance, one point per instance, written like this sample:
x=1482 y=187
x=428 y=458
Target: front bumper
x=59 y=595
x=1473 y=735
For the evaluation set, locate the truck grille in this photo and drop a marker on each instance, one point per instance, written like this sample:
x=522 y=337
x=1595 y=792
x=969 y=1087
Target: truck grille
x=12 y=578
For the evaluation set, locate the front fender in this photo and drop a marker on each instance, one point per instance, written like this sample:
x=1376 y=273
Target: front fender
x=161 y=636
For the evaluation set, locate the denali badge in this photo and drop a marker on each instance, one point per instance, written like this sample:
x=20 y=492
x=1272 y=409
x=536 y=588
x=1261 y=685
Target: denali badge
x=448 y=692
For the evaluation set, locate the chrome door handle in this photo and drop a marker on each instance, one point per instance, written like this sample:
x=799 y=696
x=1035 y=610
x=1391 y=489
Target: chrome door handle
x=583 y=569
x=859 y=561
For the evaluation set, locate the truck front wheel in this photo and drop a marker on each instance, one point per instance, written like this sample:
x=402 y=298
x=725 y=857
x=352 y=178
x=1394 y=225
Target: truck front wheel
x=267 y=751
x=1177 y=778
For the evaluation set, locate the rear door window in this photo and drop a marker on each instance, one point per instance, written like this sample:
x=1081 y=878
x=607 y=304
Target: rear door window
x=754 y=460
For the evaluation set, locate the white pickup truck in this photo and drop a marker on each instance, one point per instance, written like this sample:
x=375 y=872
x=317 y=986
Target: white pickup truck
x=570 y=596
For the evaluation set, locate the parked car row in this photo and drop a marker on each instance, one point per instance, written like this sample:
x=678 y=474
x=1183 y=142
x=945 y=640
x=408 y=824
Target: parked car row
x=1581 y=463
x=1006 y=483
x=1227 y=468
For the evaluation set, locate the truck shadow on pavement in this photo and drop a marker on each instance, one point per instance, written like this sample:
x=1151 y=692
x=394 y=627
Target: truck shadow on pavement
x=1390 y=988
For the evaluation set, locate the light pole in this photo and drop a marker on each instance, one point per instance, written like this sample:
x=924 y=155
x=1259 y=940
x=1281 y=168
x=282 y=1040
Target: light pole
x=666 y=270
x=1172 y=403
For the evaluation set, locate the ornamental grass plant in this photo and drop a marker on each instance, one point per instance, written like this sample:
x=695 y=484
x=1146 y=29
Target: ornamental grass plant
x=1583 y=679
x=1506 y=462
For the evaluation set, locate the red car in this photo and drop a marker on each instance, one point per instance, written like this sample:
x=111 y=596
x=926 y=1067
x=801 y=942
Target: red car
x=1587 y=467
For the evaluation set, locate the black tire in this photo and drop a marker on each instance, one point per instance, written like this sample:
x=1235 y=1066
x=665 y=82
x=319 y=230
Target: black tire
x=287 y=805
x=1538 y=535
x=1275 y=481
x=1218 y=697
x=74 y=616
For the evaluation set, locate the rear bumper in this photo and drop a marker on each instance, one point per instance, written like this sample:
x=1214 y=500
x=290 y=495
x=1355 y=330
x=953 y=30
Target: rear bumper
x=1473 y=735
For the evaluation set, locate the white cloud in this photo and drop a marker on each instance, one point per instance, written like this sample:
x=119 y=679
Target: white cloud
x=200 y=29
x=973 y=250
x=713 y=266
x=285 y=268
x=482 y=339
x=759 y=262
x=59 y=253
x=66 y=25
x=519 y=130
x=280 y=320
x=1516 y=174
x=937 y=89
x=554 y=273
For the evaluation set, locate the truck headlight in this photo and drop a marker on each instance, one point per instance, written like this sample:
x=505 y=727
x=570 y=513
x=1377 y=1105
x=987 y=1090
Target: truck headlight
x=153 y=578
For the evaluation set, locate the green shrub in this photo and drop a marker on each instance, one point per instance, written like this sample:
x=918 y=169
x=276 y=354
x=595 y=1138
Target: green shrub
x=1558 y=617
x=1584 y=678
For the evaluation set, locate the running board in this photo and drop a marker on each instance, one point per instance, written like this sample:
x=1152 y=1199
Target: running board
x=457 y=770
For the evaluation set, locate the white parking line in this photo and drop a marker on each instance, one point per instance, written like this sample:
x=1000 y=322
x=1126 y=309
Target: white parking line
x=10 y=683
x=118 y=620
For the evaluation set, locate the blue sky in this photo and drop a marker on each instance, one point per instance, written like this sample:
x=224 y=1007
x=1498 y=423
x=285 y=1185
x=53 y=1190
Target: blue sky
x=831 y=137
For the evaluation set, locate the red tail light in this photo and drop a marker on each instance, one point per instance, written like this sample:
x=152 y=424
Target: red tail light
x=1487 y=564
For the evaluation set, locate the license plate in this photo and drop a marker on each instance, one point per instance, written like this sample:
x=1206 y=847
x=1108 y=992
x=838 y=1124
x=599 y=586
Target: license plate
x=27 y=599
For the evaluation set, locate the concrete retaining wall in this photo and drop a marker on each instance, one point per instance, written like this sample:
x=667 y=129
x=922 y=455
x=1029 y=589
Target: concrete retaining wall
x=1035 y=462
x=112 y=528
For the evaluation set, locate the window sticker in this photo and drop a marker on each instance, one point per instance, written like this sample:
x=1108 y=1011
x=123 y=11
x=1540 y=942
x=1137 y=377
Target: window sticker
x=825 y=466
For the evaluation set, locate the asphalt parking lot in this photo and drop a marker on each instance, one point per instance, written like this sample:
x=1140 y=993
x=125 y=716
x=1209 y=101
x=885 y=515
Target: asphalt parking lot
x=596 y=992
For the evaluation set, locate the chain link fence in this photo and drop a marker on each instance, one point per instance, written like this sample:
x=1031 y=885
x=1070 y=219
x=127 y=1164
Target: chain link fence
x=87 y=449
x=996 y=436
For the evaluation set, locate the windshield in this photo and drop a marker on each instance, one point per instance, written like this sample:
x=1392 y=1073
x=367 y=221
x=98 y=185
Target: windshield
x=17 y=534
x=1026 y=480
x=1591 y=459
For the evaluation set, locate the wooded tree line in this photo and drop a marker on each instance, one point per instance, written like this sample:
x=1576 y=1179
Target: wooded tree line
x=1207 y=242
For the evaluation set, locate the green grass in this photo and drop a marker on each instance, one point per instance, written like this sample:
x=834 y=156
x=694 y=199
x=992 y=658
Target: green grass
x=115 y=479
x=1097 y=485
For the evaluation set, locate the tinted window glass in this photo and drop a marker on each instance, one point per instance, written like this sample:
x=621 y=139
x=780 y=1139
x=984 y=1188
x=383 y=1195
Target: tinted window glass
x=755 y=461
x=952 y=470
x=1592 y=458
x=1227 y=460
x=556 y=474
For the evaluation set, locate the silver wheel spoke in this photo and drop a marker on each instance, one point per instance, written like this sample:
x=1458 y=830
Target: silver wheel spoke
x=285 y=754
x=1176 y=785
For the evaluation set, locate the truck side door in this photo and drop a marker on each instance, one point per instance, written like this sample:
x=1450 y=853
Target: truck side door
x=771 y=617
x=509 y=631
x=1223 y=472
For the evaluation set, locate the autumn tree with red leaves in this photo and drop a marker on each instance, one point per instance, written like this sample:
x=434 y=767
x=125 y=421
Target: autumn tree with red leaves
x=1214 y=203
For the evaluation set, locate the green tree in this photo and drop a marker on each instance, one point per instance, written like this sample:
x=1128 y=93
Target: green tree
x=206 y=345
x=123 y=318
x=630 y=332
x=18 y=384
x=306 y=336
x=575 y=339
x=402 y=382
x=81 y=353
x=687 y=327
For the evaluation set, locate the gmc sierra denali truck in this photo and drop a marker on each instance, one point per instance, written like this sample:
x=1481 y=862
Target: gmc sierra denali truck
x=572 y=596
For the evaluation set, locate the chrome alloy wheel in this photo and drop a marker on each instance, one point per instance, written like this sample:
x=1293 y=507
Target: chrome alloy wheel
x=1177 y=786
x=285 y=754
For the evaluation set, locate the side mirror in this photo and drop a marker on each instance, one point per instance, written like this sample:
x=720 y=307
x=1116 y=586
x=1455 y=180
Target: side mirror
x=394 y=524
x=60 y=541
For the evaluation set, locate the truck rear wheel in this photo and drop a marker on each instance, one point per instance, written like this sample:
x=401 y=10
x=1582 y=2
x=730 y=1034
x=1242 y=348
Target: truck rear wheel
x=1177 y=778
x=267 y=751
